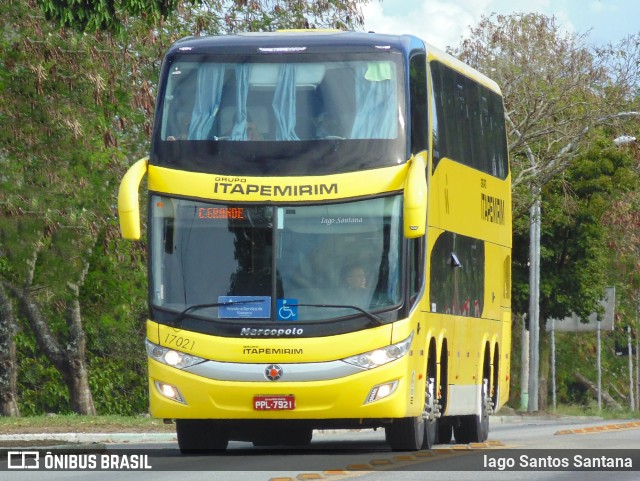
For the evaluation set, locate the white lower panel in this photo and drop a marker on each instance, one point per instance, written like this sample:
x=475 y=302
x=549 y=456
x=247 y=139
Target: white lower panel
x=463 y=399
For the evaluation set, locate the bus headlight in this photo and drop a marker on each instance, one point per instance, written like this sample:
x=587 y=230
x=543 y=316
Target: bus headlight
x=381 y=391
x=379 y=357
x=170 y=391
x=171 y=357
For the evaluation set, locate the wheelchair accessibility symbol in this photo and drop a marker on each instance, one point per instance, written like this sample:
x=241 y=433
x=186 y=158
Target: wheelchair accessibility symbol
x=287 y=309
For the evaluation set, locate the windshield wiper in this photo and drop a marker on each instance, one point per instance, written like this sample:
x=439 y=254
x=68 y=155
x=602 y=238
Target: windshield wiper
x=375 y=320
x=181 y=315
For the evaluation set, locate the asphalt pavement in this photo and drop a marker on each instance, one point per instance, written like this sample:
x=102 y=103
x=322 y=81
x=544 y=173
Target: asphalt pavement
x=93 y=439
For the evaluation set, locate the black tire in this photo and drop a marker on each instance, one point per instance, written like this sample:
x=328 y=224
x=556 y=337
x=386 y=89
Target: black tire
x=445 y=431
x=201 y=436
x=466 y=430
x=475 y=428
x=297 y=437
x=430 y=435
x=406 y=434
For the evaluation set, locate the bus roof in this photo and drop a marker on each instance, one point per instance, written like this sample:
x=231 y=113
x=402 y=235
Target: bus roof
x=292 y=39
x=284 y=41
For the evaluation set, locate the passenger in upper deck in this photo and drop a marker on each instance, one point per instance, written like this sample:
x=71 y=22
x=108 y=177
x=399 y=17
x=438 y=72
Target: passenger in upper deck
x=180 y=126
x=327 y=127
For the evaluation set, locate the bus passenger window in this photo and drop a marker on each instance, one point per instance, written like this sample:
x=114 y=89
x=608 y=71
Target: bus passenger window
x=376 y=101
x=470 y=122
x=416 y=267
x=418 y=93
x=457 y=275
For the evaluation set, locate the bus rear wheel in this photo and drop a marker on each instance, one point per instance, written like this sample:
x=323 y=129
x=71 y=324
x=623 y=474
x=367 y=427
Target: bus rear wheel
x=298 y=437
x=475 y=428
x=445 y=431
x=198 y=436
x=295 y=436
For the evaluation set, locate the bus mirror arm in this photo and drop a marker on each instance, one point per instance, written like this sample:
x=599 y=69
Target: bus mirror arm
x=415 y=197
x=128 y=200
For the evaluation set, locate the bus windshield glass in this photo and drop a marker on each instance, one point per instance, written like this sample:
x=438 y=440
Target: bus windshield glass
x=273 y=114
x=276 y=263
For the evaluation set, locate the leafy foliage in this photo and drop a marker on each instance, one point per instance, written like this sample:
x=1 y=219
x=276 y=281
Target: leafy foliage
x=97 y=15
x=219 y=15
x=76 y=106
x=575 y=257
x=76 y=100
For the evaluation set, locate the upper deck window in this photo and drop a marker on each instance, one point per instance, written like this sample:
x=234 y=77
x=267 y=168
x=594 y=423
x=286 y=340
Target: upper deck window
x=468 y=122
x=234 y=110
x=281 y=101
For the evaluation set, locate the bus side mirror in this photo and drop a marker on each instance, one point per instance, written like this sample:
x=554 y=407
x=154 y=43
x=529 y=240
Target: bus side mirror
x=128 y=200
x=415 y=197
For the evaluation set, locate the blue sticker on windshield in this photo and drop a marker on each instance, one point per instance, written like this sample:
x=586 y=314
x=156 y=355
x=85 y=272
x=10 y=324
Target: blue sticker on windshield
x=244 y=307
x=287 y=309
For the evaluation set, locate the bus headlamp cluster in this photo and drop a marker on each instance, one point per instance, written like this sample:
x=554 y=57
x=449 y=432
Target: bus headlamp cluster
x=379 y=357
x=171 y=357
x=170 y=391
x=381 y=391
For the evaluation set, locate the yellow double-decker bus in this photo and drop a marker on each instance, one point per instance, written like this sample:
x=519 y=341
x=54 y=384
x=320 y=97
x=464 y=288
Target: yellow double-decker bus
x=329 y=232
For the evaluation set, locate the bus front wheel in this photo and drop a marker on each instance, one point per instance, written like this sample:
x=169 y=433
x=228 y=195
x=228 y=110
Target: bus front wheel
x=197 y=436
x=407 y=434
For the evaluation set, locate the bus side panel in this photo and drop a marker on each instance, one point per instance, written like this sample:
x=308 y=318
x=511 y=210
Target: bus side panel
x=471 y=203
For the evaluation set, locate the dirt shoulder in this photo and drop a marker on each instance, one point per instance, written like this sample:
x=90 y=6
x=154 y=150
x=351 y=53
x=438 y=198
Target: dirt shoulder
x=82 y=424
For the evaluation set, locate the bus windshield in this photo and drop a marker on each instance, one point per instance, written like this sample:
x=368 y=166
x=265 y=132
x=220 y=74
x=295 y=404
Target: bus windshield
x=276 y=263
x=225 y=113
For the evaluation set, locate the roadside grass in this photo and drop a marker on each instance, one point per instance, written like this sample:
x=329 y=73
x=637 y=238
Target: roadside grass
x=80 y=424
x=592 y=410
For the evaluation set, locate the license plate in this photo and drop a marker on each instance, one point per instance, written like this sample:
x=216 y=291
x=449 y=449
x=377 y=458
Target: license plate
x=274 y=403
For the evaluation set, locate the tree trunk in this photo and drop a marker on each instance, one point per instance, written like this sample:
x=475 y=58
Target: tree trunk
x=8 y=365
x=81 y=397
x=70 y=362
x=80 y=393
x=606 y=397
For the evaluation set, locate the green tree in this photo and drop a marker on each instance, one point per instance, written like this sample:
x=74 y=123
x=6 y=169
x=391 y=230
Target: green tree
x=72 y=105
x=59 y=160
x=216 y=16
x=557 y=92
x=575 y=257
x=77 y=96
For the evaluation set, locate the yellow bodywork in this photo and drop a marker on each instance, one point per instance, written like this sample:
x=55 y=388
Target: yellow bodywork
x=453 y=196
x=450 y=188
x=277 y=189
x=327 y=399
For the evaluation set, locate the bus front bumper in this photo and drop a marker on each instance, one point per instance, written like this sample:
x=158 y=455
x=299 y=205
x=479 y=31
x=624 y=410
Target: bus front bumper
x=388 y=391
